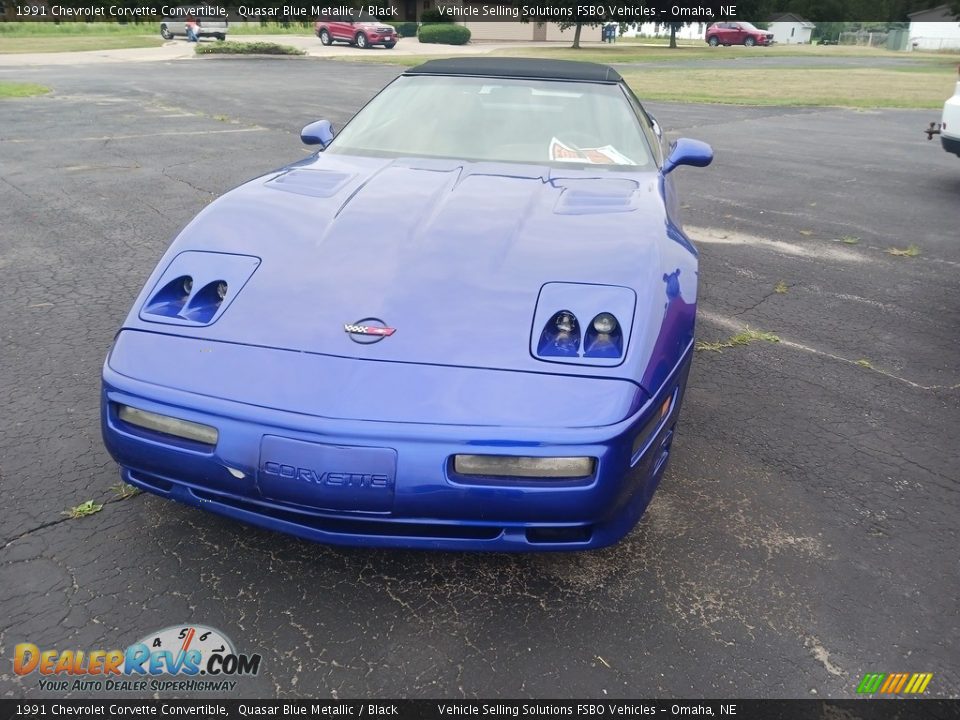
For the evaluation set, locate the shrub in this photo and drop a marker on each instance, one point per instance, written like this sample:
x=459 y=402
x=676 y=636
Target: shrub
x=444 y=34
x=406 y=29
x=247 y=48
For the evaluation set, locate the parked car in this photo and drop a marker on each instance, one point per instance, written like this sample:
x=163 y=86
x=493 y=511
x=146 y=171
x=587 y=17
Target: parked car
x=466 y=322
x=175 y=24
x=949 y=126
x=364 y=32
x=737 y=33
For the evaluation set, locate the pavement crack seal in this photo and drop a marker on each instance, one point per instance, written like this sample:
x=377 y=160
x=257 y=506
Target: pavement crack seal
x=163 y=171
x=58 y=521
x=762 y=300
x=742 y=329
x=18 y=189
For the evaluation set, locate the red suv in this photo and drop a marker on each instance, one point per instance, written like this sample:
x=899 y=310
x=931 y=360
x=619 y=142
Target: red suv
x=737 y=33
x=364 y=32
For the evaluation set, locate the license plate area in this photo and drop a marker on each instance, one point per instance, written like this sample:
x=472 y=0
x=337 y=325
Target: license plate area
x=327 y=477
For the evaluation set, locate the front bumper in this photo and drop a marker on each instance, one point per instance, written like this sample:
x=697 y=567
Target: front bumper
x=431 y=506
x=950 y=144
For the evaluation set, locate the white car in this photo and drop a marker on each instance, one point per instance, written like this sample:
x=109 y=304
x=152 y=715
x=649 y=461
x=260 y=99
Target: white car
x=949 y=127
x=175 y=23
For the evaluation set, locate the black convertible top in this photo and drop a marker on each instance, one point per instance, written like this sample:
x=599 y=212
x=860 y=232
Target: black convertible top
x=519 y=68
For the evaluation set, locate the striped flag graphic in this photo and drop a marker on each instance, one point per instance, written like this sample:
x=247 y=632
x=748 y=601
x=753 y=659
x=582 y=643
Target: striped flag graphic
x=894 y=683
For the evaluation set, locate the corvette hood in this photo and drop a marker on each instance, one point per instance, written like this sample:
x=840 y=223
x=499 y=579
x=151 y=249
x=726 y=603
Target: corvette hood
x=452 y=255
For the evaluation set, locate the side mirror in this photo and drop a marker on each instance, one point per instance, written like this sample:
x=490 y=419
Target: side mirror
x=317 y=133
x=687 y=152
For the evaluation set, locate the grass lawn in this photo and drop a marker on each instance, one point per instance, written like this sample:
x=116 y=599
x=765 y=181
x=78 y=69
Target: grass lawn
x=39 y=37
x=925 y=82
x=28 y=29
x=636 y=53
x=73 y=43
x=16 y=89
x=849 y=87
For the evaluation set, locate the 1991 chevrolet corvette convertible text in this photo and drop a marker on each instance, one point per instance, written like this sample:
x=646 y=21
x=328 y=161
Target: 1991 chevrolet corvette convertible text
x=466 y=322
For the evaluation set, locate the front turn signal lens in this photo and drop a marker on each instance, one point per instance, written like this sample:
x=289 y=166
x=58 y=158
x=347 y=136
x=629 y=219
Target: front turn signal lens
x=168 y=425
x=526 y=467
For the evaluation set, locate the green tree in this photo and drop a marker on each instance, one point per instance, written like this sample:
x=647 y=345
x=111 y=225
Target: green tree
x=829 y=30
x=674 y=28
x=568 y=8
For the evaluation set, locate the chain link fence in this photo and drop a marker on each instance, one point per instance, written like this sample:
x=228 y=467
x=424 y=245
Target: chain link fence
x=864 y=39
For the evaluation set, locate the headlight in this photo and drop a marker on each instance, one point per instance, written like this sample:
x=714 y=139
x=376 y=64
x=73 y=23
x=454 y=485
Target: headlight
x=605 y=323
x=560 y=336
x=566 y=322
x=168 y=425
x=531 y=467
x=604 y=338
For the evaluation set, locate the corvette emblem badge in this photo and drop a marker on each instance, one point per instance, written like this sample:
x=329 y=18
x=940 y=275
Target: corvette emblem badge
x=368 y=330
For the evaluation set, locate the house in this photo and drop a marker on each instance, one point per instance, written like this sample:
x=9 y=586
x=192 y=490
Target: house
x=483 y=21
x=693 y=31
x=934 y=29
x=790 y=29
x=499 y=30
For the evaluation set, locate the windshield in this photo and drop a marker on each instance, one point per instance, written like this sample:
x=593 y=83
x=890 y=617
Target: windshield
x=749 y=26
x=499 y=119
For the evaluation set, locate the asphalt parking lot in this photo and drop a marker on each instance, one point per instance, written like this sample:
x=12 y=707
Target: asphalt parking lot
x=805 y=533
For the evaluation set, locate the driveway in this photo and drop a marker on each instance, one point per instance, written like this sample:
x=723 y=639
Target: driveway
x=180 y=49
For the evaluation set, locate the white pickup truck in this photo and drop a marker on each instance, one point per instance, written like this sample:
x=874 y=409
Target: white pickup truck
x=949 y=126
x=175 y=23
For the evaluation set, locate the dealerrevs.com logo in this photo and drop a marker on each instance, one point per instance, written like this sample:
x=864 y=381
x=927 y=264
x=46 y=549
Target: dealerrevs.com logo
x=177 y=658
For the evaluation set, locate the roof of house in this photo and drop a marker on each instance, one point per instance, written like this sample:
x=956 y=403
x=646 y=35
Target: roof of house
x=790 y=17
x=939 y=13
x=519 y=68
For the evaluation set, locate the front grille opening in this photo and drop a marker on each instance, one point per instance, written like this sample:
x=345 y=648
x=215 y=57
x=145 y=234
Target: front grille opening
x=360 y=527
x=548 y=535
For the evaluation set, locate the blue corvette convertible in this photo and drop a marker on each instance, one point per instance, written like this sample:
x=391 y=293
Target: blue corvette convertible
x=465 y=323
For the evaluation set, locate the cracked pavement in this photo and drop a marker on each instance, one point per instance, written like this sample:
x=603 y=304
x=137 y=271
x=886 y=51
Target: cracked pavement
x=805 y=532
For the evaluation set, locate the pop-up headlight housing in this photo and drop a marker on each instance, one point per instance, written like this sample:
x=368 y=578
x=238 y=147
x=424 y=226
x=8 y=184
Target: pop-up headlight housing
x=582 y=323
x=197 y=287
